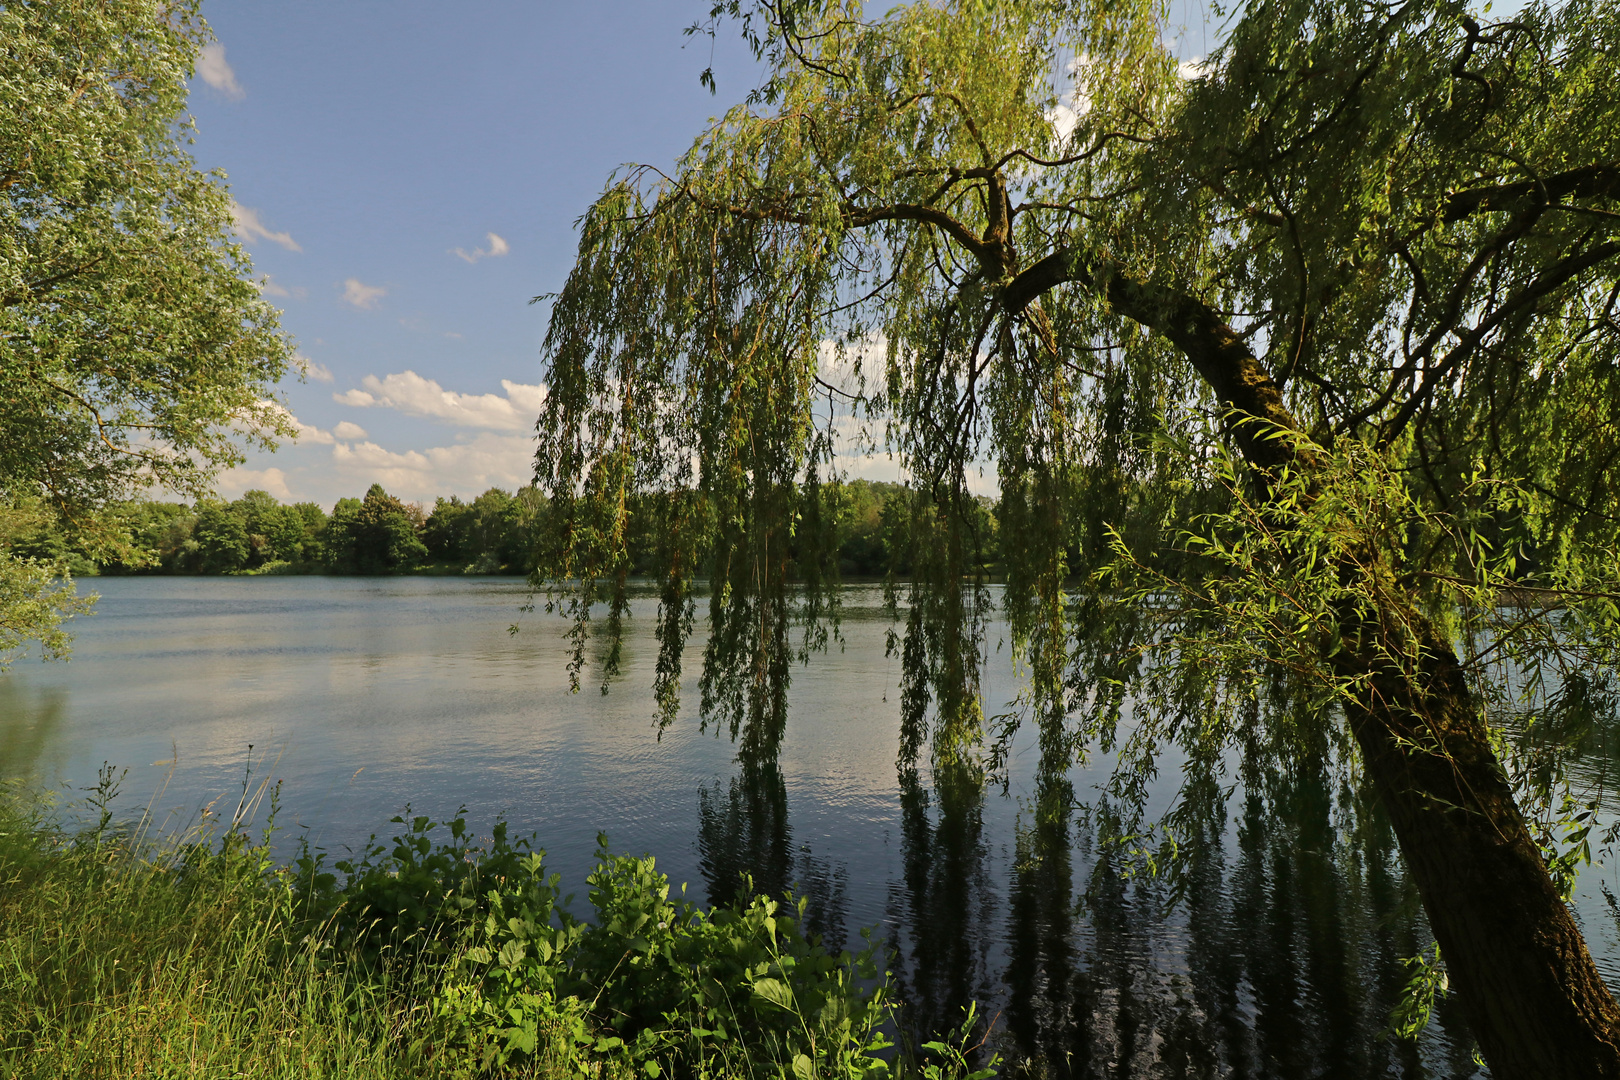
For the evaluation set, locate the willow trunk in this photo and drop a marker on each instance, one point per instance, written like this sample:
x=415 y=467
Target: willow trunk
x=1531 y=991
x=1537 y=1004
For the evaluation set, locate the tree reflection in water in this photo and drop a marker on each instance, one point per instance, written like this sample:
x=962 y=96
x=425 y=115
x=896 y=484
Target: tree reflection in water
x=745 y=831
x=1274 y=950
x=31 y=747
x=942 y=915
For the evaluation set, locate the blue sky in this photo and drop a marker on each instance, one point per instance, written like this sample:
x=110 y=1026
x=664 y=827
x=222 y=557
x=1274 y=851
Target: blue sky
x=409 y=176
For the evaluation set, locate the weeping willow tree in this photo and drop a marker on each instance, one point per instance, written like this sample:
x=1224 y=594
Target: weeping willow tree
x=1295 y=366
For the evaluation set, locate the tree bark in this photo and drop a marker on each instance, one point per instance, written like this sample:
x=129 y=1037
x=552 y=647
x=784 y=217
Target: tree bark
x=1533 y=995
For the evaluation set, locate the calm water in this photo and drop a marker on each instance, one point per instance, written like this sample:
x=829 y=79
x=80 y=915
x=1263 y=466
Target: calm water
x=363 y=695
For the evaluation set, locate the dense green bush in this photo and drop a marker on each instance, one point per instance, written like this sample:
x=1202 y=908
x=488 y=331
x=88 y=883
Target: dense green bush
x=648 y=984
x=197 y=955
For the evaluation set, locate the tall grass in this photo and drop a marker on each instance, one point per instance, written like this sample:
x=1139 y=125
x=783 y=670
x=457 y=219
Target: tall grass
x=193 y=954
x=123 y=955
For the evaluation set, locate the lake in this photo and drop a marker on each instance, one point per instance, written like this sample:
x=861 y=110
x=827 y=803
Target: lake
x=1281 y=957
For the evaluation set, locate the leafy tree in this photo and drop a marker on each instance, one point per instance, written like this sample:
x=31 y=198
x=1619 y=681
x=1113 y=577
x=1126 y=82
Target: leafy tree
x=502 y=526
x=32 y=605
x=221 y=540
x=488 y=535
x=158 y=532
x=337 y=543
x=314 y=521
x=496 y=529
x=284 y=533
x=29 y=532
x=372 y=536
x=275 y=532
x=134 y=347
x=1298 y=370
x=861 y=507
x=253 y=505
x=445 y=532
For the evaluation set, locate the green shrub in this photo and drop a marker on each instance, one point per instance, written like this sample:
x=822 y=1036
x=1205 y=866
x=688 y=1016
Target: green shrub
x=648 y=985
x=197 y=955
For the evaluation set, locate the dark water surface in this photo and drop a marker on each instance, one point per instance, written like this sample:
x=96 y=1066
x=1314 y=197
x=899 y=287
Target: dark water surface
x=1281 y=959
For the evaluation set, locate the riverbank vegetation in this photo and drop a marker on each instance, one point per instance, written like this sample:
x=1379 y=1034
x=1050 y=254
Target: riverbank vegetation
x=495 y=533
x=434 y=955
x=1293 y=361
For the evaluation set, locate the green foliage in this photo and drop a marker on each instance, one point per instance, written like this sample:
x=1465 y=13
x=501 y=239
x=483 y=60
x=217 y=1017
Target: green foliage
x=373 y=536
x=35 y=600
x=36 y=591
x=134 y=347
x=221 y=539
x=128 y=312
x=159 y=536
x=314 y=519
x=195 y=955
x=894 y=244
x=725 y=991
x=953 y=1053
x=492 y=534
x=275 y=533
x=1426 y=982
x=1297 y=370
x=124 y=954
x=648 y=984
x=390 y=893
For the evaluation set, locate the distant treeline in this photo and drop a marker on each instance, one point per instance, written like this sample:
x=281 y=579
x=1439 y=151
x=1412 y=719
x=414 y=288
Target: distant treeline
x=378 y=534
x=495 y=533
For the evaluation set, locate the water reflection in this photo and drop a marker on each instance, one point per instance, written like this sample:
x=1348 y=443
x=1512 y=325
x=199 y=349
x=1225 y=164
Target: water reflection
x=744 y=837
x=1275 y=953
x=1043 y=1034
x=942 y=911
x=30 y=730
x=1280 y=956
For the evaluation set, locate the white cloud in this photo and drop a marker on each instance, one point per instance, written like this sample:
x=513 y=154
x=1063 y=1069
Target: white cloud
x=850 y=366
x=497 y=247
x=233 y=482
x=214 y=71
x=488 y=460
x=361 y=295
x=306 y=432
x=312 y=370
x=349 y=432
x=250 y=228
x=411 y=394
x=1063 y=120
x=271 y=287
x=1065 y=114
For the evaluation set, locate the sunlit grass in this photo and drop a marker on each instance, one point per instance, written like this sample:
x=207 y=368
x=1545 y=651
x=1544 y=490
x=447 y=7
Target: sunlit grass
x=132 y=952
x=127 y=956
